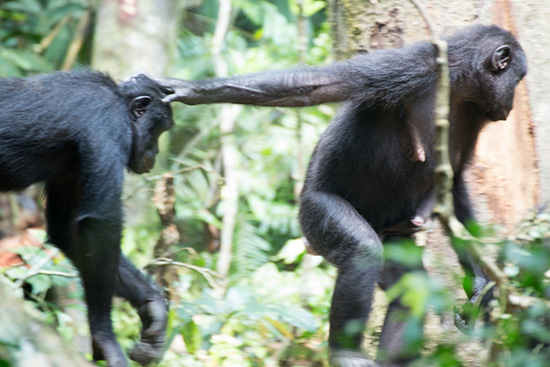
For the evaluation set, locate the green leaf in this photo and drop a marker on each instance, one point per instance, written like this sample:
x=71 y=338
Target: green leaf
x=291 y=251
x=281 y=327
x=40 y=283
x=192 y=336
x=295 y=316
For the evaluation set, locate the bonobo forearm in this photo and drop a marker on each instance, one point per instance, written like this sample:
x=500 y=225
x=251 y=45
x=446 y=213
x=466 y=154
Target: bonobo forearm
x=292 y=88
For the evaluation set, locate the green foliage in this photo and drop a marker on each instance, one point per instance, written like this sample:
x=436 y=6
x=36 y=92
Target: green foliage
x=247 y=321
x=273 y=307
x=35 y=35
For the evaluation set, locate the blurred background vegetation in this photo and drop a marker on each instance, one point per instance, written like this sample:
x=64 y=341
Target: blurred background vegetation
x=216 y=222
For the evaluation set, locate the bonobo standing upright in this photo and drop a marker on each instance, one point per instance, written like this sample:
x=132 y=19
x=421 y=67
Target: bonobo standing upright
x=372 y=173
x=77 y=132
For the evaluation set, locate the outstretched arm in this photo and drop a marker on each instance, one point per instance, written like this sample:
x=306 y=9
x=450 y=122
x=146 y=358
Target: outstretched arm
x=386 y=76
x=289 y=88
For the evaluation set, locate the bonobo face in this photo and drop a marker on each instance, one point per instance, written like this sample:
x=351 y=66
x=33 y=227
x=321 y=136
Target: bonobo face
x=486 y=64
x=504 y=67
x=150 y=117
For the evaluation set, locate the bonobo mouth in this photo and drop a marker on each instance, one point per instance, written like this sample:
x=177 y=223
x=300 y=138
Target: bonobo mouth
x=498 y=114
x=145 y=165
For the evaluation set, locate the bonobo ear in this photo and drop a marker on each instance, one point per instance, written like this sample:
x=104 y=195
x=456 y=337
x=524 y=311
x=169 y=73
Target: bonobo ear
x=138 y=106
x=501 y=58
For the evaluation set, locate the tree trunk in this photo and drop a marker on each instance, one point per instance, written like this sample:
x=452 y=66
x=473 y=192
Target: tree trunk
x=531 y=18
x=133 y=35
x=505 y=173
x=503 y=177
x=230 y=156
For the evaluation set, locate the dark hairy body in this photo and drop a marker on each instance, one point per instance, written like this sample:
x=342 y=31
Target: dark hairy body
x=371 y=176
x=77 y=132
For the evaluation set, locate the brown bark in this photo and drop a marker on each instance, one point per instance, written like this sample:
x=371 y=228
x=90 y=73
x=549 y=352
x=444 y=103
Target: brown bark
x=505 y=169
x=531 y=19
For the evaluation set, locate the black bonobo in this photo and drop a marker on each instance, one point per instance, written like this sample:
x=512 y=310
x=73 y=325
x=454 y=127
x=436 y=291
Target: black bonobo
x=371 y=176
x=77 y=132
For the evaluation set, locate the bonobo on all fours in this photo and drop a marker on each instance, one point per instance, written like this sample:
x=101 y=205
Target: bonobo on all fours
x=77 y=132
x=371 y=176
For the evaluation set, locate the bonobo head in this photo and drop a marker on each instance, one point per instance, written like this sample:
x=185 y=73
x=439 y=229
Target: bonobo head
x=486 y=64
x=150 y=117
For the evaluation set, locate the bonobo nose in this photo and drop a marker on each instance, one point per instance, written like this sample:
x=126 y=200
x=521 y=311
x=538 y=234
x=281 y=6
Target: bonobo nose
x=504 y=112
x=499 y=114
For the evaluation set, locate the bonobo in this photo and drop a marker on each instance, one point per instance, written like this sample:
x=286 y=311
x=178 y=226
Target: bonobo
x=371 y=176
x=77 y=132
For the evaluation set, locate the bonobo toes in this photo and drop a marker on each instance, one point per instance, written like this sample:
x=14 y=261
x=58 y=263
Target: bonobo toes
x=154 y=317
x=348 y=358
x=463 y=321
x=465 y=318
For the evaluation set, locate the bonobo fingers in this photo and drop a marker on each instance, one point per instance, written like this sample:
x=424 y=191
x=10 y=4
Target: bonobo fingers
x=175 y=89
x=349 y=358
x=154 y=317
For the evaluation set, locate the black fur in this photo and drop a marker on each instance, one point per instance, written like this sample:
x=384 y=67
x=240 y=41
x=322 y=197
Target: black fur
x=77 y=132
x=372 y=173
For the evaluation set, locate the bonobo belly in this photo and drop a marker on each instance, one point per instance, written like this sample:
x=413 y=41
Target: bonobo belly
x=391 y=200
x=365 y=156
x=58 y=166
x=386 y=211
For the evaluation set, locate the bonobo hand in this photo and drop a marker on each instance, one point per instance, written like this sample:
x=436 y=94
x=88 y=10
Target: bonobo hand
x=176 y=90
x=153 y=315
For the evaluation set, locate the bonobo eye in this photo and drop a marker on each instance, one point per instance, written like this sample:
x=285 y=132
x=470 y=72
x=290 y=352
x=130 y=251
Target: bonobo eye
x=138 y=107
x=501 y=58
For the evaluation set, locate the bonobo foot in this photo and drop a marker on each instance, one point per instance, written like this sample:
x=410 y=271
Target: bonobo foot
x=348 y=358
x=154 y=317
x=465 y=318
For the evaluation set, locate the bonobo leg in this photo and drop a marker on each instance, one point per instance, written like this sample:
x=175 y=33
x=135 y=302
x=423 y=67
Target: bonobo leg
x=476 y=279
x=394 y=349
x=147 y=299
x=93 y=245
x=337 y=232
x=97 y=262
